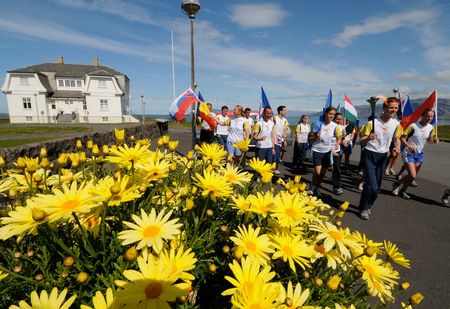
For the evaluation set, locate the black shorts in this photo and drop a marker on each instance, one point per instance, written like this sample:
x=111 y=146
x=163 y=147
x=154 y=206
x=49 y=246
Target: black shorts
x=323 y=159
x=207 y=136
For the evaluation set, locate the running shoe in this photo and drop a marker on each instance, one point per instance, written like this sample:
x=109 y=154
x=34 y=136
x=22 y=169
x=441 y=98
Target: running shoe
x=404 y=195
x=395 y=188
x=360 y=173
x=445 y=197
x=364 y=214
x=276 y=172
x=361 y=186
x=338 y=191
x=398 y=177
x=414 y=184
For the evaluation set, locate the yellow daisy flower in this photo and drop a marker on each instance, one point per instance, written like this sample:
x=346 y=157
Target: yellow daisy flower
x=382 y=290
x=242 y=145
x=296 y=295
x=260 y=166
x=119 y=135
x=290 y=209
x=292 y=249
x=179 y=262
x=2 y=275
x=52 y=301
x=234 y=176
x=334 y=257
x=151 y=287
x=114 y=192
x=150 y=230
x=245 y=274
x=213 y=151
x=5 y=185
x=213 y=184
x=333 y=237
x=254 y=245
x=67 y=176
x=361 y=242
x=153 y=169
x=261 y=203
x=375 y=271
x=20 y=221
x=262 y=296
x=101 y=302
x=395 y=255
x=126 y=156
x=62 y=203
x=241 y=203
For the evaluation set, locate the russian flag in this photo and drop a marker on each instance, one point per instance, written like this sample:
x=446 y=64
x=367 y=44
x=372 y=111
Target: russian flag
x=181 y=104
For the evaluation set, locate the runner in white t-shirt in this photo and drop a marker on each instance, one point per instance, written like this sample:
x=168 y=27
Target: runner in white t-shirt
x=264 y=135
x=281 y=125
x=414 y=138
x=223 y=125
x=301 y=143
x=237 y=132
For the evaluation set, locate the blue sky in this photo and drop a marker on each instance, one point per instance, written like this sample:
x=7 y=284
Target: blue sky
x=297 y=50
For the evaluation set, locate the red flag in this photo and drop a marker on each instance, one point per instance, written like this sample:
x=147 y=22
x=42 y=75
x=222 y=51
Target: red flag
x=417 y=114
x=205 y=114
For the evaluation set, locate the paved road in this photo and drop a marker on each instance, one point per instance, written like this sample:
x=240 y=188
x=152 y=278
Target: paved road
x=420 y=226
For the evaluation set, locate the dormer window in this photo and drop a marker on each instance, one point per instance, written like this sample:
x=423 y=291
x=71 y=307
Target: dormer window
x=24 y=81
x=101 y=83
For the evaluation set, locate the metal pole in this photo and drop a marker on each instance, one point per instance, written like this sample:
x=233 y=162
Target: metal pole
x=143 y=111
x=194 y=131
x=173 y=68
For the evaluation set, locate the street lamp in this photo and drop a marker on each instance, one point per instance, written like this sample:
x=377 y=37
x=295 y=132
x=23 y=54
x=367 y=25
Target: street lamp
x=400 y=110
x=191 y=8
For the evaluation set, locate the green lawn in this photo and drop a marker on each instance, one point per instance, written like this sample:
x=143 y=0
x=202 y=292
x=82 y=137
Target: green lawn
x=444 y=133
x=24 y=141
x=40 y=129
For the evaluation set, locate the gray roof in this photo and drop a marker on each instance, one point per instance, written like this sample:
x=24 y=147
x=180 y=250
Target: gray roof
x=44 y=81
x=68 y=70
x=67 y=94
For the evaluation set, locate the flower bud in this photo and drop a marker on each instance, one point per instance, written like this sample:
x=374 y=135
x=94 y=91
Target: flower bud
x=404 y=286
x=238 y=253
x=189 y=204
x=331 y=212
x=212 y=267
x=340 y=214
x=90 y=144
x=105 y=149
x=288 y=302
x=12 y=194
x=39 y=277
x=82 y=157
x=190 y=155
x=173 y=145
x=82 y=277
x=209 y=212
x=173 y=167
x=333 y=283
x=344 y=206
x=226 y=249
x=338 y=223
x=318 y=282
x=306 y=274
x=21 y=163
x=17 y=255
x=64 y=274
x=131 y=254
x=115 y=188
x=45 y=164
x=160 y=142
x=79 y=145
x=95 y=150
x=142 y=188
x=223 y=230
x=62 y=160
x=68 y=261
x=17 y=269
x=266 y=178
x=2 y=162
x=132 y=138
x=30 y=253
x=297 y=179
x=37 y=178
x=370 y=251
x=416 y=299
x=75 y=163
x=38 y=215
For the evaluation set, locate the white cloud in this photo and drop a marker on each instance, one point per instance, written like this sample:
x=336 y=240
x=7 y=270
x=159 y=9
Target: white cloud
x=122 y=9
x=258 y=15
x=436 y=46
x=381 y=24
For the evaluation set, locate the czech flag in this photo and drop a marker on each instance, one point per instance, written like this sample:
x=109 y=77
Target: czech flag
x=181 y=104
x=430 y=103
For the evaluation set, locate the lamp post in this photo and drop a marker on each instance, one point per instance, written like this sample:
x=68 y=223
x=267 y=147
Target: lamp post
x=400 y=110
x=191 y=8
x=143 y=112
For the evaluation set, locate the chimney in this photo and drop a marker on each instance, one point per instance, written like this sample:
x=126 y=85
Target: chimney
x=60 y=60
x=95 y=62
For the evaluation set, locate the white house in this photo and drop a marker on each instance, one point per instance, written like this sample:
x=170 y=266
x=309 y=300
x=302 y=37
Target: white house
x=67 y=93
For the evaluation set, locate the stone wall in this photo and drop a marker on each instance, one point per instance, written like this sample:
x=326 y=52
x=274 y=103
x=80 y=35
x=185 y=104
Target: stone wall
x=56 y=147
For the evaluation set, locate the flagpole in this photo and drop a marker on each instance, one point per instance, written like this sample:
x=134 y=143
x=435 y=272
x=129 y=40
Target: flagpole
x=436 y=113
x=173 y=67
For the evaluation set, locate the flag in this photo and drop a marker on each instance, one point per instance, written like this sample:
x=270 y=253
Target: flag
x=349 y=111
x=319 y=122
x=181 y=104
x=430 y=103
x=200 y=99
x=205 y=114
x=264 y=102
x=408 y=109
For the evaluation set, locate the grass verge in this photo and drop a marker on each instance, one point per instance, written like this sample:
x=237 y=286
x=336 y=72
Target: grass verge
x=23 y=141
x=41 y=129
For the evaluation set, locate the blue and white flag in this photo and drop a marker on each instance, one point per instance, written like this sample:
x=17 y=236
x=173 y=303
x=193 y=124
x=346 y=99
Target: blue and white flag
x=319 y=122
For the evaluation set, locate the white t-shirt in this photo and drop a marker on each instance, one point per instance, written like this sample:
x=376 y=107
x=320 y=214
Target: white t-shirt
x=304 y=130
x=417 y=135
x=250 y=122
x=237 y=129
x=328 y=134
x=280 y=125
x=222 y=129
x=264 y=128
x=385 y=133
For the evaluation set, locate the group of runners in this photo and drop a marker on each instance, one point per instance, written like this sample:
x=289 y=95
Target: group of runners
x=382 y=140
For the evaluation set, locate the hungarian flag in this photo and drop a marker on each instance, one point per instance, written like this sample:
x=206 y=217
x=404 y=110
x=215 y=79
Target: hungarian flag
x=430 y=103
x=349 y=111
x=181 y=104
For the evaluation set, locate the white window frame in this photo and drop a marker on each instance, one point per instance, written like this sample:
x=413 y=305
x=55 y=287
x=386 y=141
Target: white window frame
x=103 y=104
x=102 y=83
x=26 y=103
x=28 y=118
x=105 y=119
x=24 y=81
x=79 y=84
x=67 y=83
x=61 y=83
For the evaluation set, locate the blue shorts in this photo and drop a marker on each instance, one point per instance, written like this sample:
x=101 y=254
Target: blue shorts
x=323 y=159
x=233 y=151
x=347 y=150
x=415 y=158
